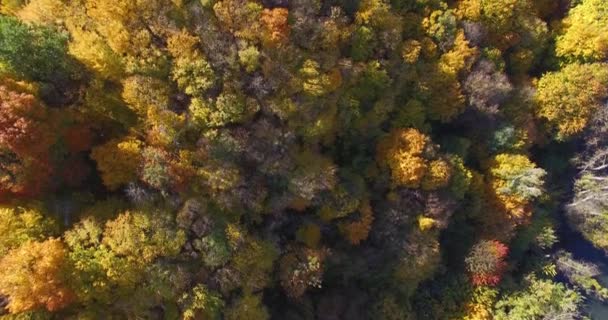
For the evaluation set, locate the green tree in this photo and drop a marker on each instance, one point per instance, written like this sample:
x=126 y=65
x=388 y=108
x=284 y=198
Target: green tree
x=201 y=303
x=34 y=52
x=249 y=306
x=541 y=299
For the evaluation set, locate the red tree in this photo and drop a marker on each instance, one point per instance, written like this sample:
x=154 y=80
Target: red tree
x=486 y=262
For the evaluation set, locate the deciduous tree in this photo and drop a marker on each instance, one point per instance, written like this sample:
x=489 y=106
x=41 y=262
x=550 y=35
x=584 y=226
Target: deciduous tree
x=34 y=277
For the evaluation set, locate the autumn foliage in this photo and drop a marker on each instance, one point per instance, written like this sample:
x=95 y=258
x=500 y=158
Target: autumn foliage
x=486 y=262
x=34 y=277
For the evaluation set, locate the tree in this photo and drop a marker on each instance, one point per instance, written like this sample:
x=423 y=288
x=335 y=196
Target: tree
x=358 y=230
x=249 y=306
x=141 y=93
x=249 y=58
x=300 y=270
x=437 y=176
x=486 y=262
x=543 y=299
x=240 y=17
x=275 y=25
x=313 y=174
x=586 y=210
x=569 y=97
x=34 y=52
x=19 y=225
x=584 y=38
x=516 y=181
x=201 y=303
x=314 y=83
x=254 y=261
x=487 y=89
x=34 y=277
x=25 y=142
x=143 y=237
x=24 y=123
x=118 y=161
x=402 y=152
x=193 y=75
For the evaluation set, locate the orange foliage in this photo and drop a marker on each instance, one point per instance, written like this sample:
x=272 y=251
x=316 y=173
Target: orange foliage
x=32 y=277
x=275 y=23
x=402 y=151
x=23 y=123
x=78 y=138
x=357 y=231
x=486 y=262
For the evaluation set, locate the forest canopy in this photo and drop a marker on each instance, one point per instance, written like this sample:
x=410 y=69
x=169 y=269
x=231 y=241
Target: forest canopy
x=303 y=159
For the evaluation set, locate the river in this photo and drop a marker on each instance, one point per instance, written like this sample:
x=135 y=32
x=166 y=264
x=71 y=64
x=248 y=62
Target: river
x=582 y=249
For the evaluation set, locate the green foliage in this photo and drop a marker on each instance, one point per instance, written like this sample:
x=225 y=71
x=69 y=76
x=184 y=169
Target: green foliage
x=194 y=77
x=19 y=225
x=362 y=43
x=34 y=52
x=254 y=262
x=200 y=302
x=249 y=58
x=541 y=298
x=247 y=307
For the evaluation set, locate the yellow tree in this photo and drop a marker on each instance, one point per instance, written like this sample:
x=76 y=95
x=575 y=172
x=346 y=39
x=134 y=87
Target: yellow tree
x=515 y=181
x=118 y=161
x=33 y=277
x=402 y=152
x=585 y=35
x=569 y=97
x=19 y=225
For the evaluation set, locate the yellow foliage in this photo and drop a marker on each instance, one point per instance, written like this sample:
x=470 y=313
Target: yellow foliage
x=469 y=9
x=460 y=58
x=141 y=93
x=425 y=223
x=402 y=152
x=569 y=97
x=509 y=165
x=118 y=160
x=234 y=235
x=91 y=49
x=408 y=170
x=438 y=175
x=480 y=305
x=37 y=11
x=183 y=44
x=366 y=10
x=411 y=51
x=585 y=35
